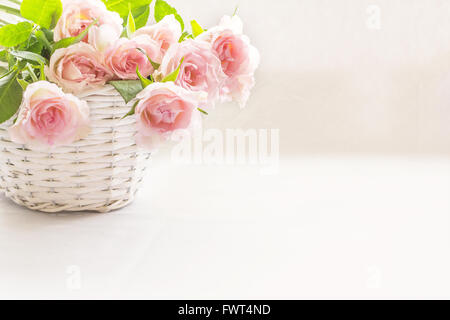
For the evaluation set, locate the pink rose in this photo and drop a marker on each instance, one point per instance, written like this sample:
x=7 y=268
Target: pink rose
x=239 y=59
x=77 y=68
x=77 y=15
x=126 y=54
x=166 y=32
x=200 y=71
x=49 y=118
x=164 y=108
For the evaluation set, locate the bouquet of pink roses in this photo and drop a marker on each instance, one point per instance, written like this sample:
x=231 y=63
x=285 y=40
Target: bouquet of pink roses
x=91 y=87
x=61 y=49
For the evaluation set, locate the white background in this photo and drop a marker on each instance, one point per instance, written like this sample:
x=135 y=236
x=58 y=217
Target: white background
x=360 y=207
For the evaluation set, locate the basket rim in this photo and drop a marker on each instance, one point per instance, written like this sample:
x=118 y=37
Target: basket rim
x=107 y=89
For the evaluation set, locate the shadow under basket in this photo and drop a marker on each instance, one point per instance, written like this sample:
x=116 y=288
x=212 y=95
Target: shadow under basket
x=99 y=173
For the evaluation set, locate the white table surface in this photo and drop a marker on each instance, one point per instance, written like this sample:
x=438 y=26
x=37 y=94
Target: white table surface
x=324 y=227
x=360 y=207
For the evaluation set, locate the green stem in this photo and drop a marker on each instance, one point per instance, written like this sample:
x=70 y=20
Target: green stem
x=32 y=74
x=42 y=75
x=10 y=10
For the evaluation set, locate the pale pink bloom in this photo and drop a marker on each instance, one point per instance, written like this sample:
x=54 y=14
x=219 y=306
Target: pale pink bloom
x=126 y=54
x=166 y=32
x=49 y=118
x=77 y=68
x=238 y=57
x=77 y=15
x=200 y=71
x=164 y=108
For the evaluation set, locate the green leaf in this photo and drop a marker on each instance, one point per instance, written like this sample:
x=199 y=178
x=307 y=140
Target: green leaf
x=131 y=25
x=144 y=81
x=14 y=64
x=132 y=111
x=128 y=89
x=30 y=56
x=122 y=6
x=203 y=111
x=141 y=18
x=40 y=35
x=10 y=96
x=3 y=71
x=8 y=72
x=196 y=28
x=42 y=12
x=185 y=35
x=49 y=34
x=174 y=75
x=64 y=43
x=23 y=84
x=11 y=61
x=4 y=56
x=12 y=35
x=35 y=46
x=163 y=9
x=154 y=64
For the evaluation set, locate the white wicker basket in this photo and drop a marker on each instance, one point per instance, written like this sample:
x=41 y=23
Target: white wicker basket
x=100 y=173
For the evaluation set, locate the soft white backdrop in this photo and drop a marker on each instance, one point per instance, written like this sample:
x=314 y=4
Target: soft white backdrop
x=360 y=207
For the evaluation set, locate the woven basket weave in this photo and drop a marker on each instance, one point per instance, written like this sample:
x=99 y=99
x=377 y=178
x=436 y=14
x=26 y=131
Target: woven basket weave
x=99 y=173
